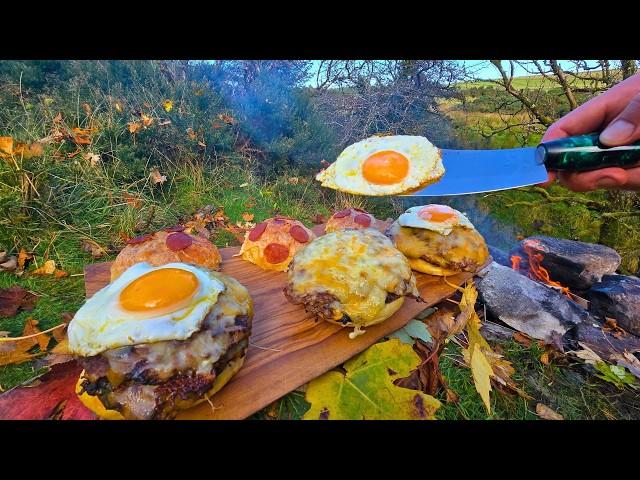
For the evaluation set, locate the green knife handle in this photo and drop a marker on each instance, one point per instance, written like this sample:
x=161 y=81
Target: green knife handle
x=585 y=152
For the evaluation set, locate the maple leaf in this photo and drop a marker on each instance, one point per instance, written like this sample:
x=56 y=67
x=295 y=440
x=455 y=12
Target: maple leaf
x=367 y=391
x=9 y=264
x=167 y=105
x=156 y=177
x=14 y=350
x=15 y=298
x=133 y=127
x=247 y=217
x=51 y=396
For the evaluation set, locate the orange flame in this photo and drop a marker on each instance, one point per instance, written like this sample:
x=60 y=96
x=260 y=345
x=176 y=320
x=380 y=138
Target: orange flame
x=536 y=270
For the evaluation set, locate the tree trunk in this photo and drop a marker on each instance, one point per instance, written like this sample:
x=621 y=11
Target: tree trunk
x=629 y=68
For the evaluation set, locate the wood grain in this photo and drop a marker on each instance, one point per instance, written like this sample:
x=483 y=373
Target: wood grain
x=287 y=347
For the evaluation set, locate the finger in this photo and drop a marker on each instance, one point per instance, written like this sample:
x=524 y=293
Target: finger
x=609 y=178
x=625 y=128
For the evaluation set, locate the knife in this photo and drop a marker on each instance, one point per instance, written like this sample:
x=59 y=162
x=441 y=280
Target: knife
x=478 y=171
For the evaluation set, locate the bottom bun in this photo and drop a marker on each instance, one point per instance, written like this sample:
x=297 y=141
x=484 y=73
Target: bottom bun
x=430 y=269
x=93 y=403
x=388 y=310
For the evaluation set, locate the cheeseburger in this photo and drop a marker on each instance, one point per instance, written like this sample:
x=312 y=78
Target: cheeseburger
x=354 y=278
x=350 y=218
x=438 y=240
x=158 y=340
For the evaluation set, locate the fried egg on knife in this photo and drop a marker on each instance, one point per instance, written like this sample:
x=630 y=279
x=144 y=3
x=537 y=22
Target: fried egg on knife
x=145 y=304
x=387 y=165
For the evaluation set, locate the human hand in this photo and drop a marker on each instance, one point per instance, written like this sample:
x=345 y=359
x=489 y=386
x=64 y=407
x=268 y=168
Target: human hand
x=617 y=109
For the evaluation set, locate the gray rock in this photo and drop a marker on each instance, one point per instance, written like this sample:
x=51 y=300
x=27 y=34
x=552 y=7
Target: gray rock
x=577 y=265
x=499 y=256
x=527 y=305
x=617 y=297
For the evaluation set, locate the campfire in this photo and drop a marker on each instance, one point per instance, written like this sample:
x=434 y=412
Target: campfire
x=532 y=249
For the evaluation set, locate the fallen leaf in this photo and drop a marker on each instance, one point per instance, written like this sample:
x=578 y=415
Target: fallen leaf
x=53 y=396
x=164 y=122
x=167 y=105
x=6 y=145
x=589 y=356
x=87 y=109
x=614 y=374
x=92 y=158
x=31 y=328
x=118 y=106
x=132 y=200
x=227 y=118
x=48 y=268
x=442 y=323
x=156 y=177
x=58 y=118
x=247 y=217
x=15 y=350
x=134 y=127
x=367 y=391
x=242 y=185
x=93 y=248
x=544 y=358
x=482 y=373
x=10 y=264
x=547 y=413
x=627 y=360
x=522 y=338
x=294 y=180
x=15 y=298
x=412 y=330
x=202 y=144
x=191 y=133
x=146 y=120
x=82 y=136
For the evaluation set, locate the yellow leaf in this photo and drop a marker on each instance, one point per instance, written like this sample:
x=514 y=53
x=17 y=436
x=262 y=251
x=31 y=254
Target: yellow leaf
x=47 y=269
x=547 y=413
x=247 y=217
x=191 y=133
x=134 y=127
x=168 y=105
x=482 y=373
x=367 y=390
x=118 y=106
x=6 y=145
x=31 y=328
x=146 y=120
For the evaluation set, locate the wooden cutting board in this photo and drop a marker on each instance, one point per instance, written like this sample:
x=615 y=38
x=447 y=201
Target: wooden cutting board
x=287 y=348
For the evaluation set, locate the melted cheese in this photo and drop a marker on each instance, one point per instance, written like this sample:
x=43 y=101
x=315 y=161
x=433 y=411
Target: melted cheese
x=358 y=267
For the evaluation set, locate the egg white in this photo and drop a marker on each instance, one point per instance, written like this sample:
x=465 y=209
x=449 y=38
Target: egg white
x=101 y=323
x=410 y=218
x=345 y=174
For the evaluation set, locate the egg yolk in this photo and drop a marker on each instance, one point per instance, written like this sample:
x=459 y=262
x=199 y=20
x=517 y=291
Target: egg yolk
x=385 y=168
x=437 y=214
x=166 y=289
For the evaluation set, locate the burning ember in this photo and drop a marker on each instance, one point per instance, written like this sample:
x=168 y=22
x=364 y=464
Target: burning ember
x=536 y=270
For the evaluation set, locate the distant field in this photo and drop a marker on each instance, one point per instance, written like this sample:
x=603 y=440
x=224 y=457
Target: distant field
x=534 y=82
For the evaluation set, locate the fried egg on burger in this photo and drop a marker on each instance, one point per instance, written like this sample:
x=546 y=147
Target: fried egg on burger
x=159 y=339
x=438 y=240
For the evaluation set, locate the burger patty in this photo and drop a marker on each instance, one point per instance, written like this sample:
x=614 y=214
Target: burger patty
x=156 y=380
x=322 y=304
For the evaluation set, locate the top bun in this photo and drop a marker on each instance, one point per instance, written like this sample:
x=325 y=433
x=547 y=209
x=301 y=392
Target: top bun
x=271 y=244
x=350 y=218
x=167 y=246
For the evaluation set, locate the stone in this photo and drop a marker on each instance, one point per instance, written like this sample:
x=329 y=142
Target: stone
x=499 y=256
x=577 y=265
x=528 y=306
x=617 y=297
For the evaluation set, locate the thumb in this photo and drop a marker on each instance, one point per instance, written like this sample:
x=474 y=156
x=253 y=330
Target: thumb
x=625 y=128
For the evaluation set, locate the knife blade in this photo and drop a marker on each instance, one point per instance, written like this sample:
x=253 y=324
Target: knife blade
x=478 y=171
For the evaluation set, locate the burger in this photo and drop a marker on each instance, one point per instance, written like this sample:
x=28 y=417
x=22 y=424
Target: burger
x=170 y=245
x=159 y=339
x=271 y=244
x=438 y=240
x=350 y=218
x=351 y=277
